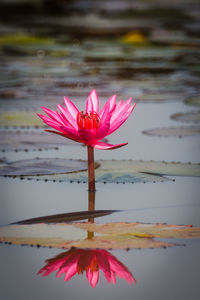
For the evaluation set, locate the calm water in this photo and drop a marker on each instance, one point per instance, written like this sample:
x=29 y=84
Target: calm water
x=147 y=50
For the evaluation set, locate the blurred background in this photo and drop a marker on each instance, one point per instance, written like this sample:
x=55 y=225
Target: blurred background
x=148 y=49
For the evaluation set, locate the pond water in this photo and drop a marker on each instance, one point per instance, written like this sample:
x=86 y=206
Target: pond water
x=146 y=50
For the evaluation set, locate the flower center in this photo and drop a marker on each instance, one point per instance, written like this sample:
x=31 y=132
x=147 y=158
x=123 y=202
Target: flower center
x=89 y=120
x=93 y=266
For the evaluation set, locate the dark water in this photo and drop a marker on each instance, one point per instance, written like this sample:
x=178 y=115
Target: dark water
x=149 y=50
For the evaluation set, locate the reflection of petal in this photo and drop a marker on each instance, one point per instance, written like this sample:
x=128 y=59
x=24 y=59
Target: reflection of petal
x=69 y=265
x=71 y=271
x=93 y=277
x=80 y=260
x=120 y=270
x=104 y=264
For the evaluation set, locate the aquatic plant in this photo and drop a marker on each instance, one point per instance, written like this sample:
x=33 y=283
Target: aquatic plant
x=91 y=126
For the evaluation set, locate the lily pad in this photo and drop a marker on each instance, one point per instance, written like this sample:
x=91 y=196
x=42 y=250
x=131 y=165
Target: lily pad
x=123 y=171
x=195 y=101
x=158 y=230
x=173 y=131
x=20 y=119
x=161 y=96
x=111 y=235
x=67 y=217
x=191 y=116
x=23 y=39
x=31 y=140
x=38 y=49
x=42 y=166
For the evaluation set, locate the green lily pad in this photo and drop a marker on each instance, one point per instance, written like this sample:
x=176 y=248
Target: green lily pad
x=124 y=171
x=173 y=131
x=31 y=140
x=20 y=119
x=42 y=166
x=191 y=116
x=39 y=50
x=23 y=39
x=111 y=235
x=195 y=101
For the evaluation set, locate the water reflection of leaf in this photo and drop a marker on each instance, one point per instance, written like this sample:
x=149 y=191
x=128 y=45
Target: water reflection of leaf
x=117 y=235
x=78 y=261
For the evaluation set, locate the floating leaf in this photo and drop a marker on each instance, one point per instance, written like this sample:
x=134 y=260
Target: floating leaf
x=67 y=217
x=193 y=101
x=19 y=119
x=23 y=39
x=120 y=171
x=191 y=116
x=111 y=235
x=161 y=96
x=173 y=131
x=158 y=230
x=31 y=140
x=42 y=166
x=39 y=49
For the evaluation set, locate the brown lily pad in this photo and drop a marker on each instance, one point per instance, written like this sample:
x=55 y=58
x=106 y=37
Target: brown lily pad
x=110 y=235
x=67 y=217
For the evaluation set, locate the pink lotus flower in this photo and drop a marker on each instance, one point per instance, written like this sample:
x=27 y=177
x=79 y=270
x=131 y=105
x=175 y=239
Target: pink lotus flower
x=80 y=260
x=91 y=126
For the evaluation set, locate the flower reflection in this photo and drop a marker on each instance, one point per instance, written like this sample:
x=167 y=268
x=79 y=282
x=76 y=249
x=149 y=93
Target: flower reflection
x=91 y=261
